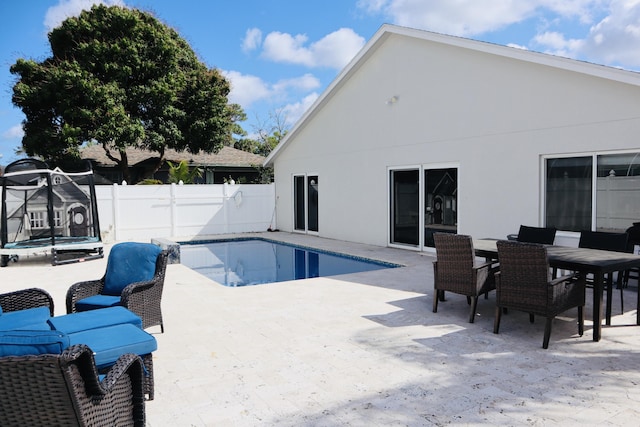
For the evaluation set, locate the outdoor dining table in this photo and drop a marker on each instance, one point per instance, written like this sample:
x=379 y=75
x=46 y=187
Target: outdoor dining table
x=583 y=260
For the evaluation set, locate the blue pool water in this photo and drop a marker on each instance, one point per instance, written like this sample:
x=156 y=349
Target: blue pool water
x=256 y=261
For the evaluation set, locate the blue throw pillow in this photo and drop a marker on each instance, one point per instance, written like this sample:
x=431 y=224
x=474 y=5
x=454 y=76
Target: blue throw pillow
x=128 y=263
x=21 y=343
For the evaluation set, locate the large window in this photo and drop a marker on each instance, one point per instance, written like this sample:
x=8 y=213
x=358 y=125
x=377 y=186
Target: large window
x=596 y=192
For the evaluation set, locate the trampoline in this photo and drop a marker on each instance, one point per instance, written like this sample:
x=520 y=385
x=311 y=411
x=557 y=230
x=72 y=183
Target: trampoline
x=48 y=211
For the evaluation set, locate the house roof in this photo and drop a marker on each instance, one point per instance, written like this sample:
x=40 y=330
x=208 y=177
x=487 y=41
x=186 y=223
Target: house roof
x=227 y=156
x=387 y=30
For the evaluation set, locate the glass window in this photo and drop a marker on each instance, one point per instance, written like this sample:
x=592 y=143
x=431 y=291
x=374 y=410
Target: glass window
x=568 y=198
x=571 y=203
x=617 y=191
x=305 y=200
x=312 y=203
x=37 y=219
x=298 y=190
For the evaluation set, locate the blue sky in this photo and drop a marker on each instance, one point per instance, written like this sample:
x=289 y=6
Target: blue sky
x=281 y=54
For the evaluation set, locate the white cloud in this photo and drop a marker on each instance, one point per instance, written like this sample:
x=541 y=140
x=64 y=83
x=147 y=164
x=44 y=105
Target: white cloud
x=472 y=17
x=68 y=8
x=612 y=38
x=13 y=132
x=246 y=89
x=293 y=112
x=615 y=39
x=252 y=40
x=304 y=83
x=334 y=50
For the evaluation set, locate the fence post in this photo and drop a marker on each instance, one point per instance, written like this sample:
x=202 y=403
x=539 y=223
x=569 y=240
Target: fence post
x=115 y=194
x=173 y=208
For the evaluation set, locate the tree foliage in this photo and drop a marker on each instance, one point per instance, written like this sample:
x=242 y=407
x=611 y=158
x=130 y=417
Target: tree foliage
x=121 y=78
x=182 y=172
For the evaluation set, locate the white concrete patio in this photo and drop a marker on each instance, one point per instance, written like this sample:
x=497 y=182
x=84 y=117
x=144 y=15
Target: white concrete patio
x=366 y=350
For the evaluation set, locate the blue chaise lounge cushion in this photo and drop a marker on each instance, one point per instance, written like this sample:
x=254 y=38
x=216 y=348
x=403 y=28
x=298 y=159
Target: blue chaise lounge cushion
x=111 y=342
x=128 y=263
x=86 y=320
x=30 y=318
x=23 y=342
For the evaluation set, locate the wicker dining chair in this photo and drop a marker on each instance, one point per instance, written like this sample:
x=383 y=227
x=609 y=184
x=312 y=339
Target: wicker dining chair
x=65 y=390
x=134 y=279
x=455 y=270
x=524 y=283
x=543 y=235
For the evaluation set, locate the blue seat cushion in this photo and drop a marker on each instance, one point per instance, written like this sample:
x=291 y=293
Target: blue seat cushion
x=95 y=302
x=31 y=318
x=86 y=320
x=128 y=263
x=24 y=342
x=111 y=342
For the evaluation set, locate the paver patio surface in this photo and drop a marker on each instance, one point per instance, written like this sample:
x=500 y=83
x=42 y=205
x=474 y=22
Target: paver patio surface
x=365 y=349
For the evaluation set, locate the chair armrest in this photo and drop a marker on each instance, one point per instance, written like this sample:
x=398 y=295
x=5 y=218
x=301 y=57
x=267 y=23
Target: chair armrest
x=26 y=298
x=114 y=389
x=565 y=278
x=81 y=290
x=137 y=287
x=488 y=264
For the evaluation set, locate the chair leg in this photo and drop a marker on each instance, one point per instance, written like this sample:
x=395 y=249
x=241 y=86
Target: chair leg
x=436 y=297
x=441 y=293
x=474 y=306
x=580 y=320
x=621 y=285
x=609 y=295
x=547 y=332
x=468 y=300
x=531 y=318
x=496 y=320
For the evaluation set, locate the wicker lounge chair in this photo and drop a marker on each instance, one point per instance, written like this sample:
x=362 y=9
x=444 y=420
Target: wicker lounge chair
x=134 y=279
x=64 y=389
x=456 y=271
x=524 y=283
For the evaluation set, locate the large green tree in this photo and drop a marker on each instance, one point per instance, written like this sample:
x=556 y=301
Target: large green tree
x=121 y=78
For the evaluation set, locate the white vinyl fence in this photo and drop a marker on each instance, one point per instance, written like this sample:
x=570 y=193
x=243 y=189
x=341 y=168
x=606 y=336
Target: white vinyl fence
x=143 y=212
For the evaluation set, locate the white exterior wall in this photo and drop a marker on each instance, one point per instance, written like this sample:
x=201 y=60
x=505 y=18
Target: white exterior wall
x=492 y=116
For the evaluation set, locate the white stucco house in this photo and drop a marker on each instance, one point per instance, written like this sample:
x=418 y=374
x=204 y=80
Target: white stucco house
x=424 y=132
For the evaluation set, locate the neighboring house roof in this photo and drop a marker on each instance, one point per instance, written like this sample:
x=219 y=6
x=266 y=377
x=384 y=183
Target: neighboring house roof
x=387 y=30
x=227 y=156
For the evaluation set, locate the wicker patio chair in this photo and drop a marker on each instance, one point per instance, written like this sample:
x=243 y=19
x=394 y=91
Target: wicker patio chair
x=124 y=283
x=26 y=298
x=455 y=270
x=65 y=390
x=524 y=283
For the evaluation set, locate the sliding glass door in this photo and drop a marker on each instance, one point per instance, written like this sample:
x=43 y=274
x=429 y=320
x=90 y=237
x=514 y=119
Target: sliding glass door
x=405 y=207
x=422 y=198
x=305 y=200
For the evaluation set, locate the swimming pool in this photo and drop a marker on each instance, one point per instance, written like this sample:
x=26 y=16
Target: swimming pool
x=244 y=262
